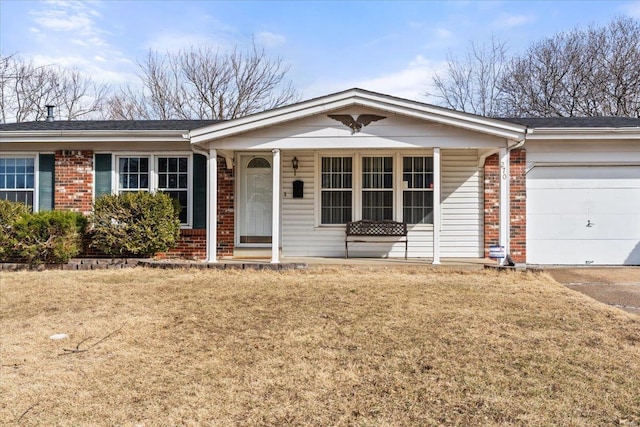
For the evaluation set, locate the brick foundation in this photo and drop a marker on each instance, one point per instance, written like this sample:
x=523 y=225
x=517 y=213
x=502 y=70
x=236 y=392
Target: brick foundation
x=74 y=181
x=517 y=196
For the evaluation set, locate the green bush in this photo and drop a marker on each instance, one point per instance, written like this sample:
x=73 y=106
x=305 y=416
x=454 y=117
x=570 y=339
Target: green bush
x=134 y=224
x=10 y=212
x=51 y=237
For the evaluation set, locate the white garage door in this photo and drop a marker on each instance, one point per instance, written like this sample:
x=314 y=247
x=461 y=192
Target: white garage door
x=583 y=215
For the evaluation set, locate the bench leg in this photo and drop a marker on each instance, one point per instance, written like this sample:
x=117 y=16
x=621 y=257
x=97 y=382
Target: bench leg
x=406 y=248
x=346 y=249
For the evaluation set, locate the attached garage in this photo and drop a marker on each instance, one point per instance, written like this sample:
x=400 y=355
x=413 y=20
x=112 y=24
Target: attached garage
x=587 y=214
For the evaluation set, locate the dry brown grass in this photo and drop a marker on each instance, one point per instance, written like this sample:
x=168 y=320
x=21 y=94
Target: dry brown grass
x=330 y=346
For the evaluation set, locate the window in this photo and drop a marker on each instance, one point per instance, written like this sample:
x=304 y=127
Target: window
x=336 y=192
x=17 y=179
x=377 y=188
x=169 y=174
x=134 y=173
x=417 y=174
x=173 y=179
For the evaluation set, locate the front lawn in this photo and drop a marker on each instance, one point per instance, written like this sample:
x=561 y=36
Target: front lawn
x=325 y=346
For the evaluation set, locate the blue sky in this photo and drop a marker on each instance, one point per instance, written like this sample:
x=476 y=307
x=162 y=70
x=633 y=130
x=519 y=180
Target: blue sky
x=389 y=47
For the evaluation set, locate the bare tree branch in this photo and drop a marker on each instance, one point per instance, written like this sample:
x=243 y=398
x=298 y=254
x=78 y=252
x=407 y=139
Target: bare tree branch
x=204 y=83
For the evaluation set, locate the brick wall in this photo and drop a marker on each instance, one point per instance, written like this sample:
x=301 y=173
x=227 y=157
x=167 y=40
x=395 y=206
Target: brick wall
x=491 y=202
x=192 y=244
x=74 y=180
x=517 y=196
x=518 y=201
x=226 y=210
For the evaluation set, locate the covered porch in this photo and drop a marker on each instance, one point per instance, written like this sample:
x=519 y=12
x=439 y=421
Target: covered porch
x=300 y=175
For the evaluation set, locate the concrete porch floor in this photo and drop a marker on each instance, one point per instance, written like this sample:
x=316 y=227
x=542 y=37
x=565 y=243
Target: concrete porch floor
x=470 y=263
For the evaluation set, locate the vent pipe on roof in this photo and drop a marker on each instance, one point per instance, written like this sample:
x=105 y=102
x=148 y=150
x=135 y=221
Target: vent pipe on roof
x=50 y=112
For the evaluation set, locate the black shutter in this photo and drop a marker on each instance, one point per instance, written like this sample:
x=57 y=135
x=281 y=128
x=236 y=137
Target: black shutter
x=102 y=174
x=46 y=166
x=199 y=191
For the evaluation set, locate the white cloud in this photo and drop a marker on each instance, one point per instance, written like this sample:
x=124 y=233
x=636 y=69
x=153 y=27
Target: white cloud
x=76 y=18
x=411 y=82
x=268 y=39
x=443 y=33
x=510 y=21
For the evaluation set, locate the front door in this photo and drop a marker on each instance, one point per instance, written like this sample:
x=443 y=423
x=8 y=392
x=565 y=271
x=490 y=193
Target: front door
x=255 y=201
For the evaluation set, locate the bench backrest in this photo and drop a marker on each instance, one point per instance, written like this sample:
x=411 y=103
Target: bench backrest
x=367 y=227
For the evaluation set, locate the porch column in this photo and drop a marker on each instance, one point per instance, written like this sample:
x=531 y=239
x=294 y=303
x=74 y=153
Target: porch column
x=212 y=206
x=504 y=201
x=437 y=208
x=275 y=228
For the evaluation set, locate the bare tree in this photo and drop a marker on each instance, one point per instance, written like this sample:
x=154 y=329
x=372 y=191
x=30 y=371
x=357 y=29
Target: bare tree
x=592 y=72
x=472 y=84
x=204 y=83
x=583 y=72
x=25 y=89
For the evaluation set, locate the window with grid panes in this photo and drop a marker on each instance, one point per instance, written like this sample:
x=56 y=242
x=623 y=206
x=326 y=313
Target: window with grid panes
x=133 y=174
x=336 y=190
x=17 y=179
x=377 y=188
x=173 y=179
x=417 y=198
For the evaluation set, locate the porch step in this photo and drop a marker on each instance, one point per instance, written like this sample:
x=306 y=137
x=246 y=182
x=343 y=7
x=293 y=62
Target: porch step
x=252 y=253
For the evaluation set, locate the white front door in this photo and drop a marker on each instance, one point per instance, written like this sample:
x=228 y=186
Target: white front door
x=255 y=201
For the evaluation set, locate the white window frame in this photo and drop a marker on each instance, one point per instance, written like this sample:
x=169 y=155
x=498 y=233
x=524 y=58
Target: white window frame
x=424 y=189
x=153 y=175
x=36 y=174
x=356 y=190
x=340 y=189
x=382 y=189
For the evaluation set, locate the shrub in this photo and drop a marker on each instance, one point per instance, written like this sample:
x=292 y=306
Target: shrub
x=134 y=224
x=51 y=237
x=10 y=212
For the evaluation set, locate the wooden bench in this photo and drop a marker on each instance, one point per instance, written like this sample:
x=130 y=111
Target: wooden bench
x=365 y=231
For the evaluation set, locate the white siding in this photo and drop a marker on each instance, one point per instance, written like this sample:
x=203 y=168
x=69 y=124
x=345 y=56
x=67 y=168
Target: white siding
x=461 y=214
x=462 y=227
x=322 y=132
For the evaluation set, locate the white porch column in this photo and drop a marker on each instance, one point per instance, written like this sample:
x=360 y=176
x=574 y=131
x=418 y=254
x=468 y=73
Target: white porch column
x=504 y=201
x=437 y=207
x=212 y=206
x=275 y=228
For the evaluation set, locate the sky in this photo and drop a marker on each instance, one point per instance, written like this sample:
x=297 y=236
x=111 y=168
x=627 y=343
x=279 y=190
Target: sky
x=329 y=46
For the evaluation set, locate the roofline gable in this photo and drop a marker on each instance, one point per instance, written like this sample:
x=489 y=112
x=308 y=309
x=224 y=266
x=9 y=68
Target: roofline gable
x=359 y=97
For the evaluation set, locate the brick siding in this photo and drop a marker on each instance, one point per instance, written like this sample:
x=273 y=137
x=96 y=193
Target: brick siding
x=226 y=210
x=74 y=181
x=518 y=199
x=192 y=244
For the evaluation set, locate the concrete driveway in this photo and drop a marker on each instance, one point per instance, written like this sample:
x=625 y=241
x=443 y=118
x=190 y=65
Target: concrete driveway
x=616 y=286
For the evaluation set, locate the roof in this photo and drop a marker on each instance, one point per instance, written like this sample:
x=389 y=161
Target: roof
x=360 y=98
x=107 y=125
x=574 y=122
